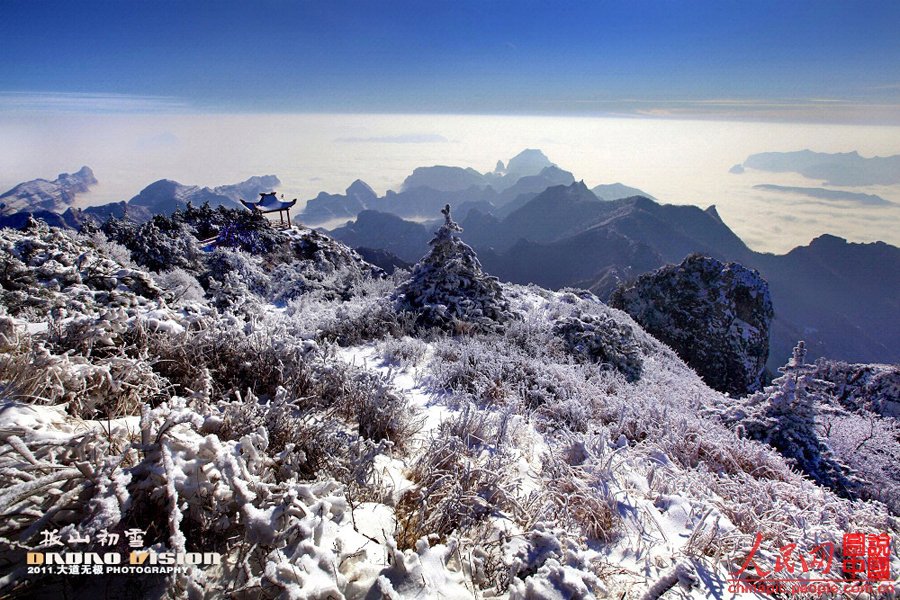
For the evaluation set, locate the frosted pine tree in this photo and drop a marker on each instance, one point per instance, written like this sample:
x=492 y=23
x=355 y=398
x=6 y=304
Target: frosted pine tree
x=448 y=287
x=784 y=416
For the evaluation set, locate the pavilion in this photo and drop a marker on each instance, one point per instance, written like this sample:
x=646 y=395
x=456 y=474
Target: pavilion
x=269 y=203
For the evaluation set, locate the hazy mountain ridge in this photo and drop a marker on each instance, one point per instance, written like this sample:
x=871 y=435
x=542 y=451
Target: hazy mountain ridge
x=825 y=194
x=160 y=197
x=428 y=189
x=385 y=231
x=40 y=194
x=614 y=191
x=840 y=169
x=566 y=237
x=166 y=196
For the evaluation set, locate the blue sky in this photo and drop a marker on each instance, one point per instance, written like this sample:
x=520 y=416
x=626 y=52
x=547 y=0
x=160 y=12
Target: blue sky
x=783 y=60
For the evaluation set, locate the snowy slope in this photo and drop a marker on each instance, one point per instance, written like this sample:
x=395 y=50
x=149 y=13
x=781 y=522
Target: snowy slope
x=328 y=446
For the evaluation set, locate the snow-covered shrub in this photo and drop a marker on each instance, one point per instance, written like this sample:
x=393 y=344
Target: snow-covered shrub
x=457 y=486
x=449 y=290
x=114 y=250
x=784 y=416
x=47 y=480
x=289 y=280
x=303 y=443
x=45 y=270
x=404 y=352
x=159 y=244
x=584 y=503
x=233 y=228
x=234 y=355
x=381 y=412
x=234 y=281
x=369 y=319
x=868 y=444
x=602 y=339
x=179 y=287
x=113 y=386
x=89 y=334
x=864 y=387
x=490 y=371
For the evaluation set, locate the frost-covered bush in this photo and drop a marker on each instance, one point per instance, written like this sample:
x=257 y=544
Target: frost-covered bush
x=383 y=413
x=188 y=488
x=306 y=444
x=180 y=287
x=575 y=496
x=233 y=228
x=404 y=352
x=784 y=415
x=448 y=289
x=307 y=263
x=380 y=412
x=112 y=386
x=112 y=249
x=231 y=355
x=602 y=339
x=45 y=270
x=866 y=387
x=530 y=366
x=870 y=445
x=235 y=281
x=159 y=244
x=356 y=322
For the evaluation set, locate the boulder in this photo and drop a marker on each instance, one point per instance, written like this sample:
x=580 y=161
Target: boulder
x=715 y=316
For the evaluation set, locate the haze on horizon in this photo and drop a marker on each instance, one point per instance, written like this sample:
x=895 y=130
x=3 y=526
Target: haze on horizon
x=321 y=93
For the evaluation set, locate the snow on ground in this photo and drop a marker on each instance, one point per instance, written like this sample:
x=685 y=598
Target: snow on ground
x=655 y=531
x=564 y=454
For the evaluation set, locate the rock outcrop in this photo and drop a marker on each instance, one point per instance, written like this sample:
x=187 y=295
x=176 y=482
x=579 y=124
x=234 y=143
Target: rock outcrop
x=715 y=316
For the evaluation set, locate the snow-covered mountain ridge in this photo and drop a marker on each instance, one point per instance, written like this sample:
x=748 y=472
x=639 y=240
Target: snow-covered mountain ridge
x=331 y=431
x=40 y=194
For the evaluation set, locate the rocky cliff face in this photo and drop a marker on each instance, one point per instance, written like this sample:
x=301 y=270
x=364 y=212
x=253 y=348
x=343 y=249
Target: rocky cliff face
x=715 y=316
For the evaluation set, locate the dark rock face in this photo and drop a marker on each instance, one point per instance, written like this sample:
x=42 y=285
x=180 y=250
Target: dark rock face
x=715 y=316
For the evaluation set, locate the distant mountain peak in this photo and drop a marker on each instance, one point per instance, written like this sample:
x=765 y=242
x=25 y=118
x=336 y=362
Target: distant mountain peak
x=711 y=211
x=362 y=190
x=40 y=194
x=166 y=196
x=828 y=240
x=528 y=162
x=616 y=191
